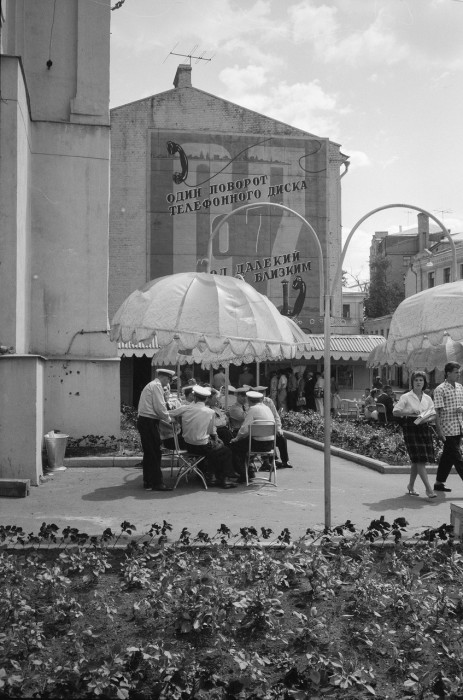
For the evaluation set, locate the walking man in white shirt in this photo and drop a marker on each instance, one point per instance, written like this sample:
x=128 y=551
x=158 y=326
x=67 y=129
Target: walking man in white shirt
x=152 y=409
x=448 y=402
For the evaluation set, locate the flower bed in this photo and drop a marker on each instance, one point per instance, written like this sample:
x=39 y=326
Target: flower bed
x=384 y=442
x=336 y=614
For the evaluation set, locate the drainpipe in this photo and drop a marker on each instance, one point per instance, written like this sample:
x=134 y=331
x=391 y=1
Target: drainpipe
x=284 y=310
x=412 y=269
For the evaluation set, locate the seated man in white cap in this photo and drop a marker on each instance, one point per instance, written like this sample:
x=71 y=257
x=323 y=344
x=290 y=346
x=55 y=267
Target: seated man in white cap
x=152 y=409
x=188 y=395
x=237 y=412
x=281 y=442
x=200 y=435
x=240 y=443
x=221 y=418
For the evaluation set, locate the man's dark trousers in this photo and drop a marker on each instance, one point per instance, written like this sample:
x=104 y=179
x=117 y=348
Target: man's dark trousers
x=152 y=455
x=240 y=450
x=451 y=456
x=282 y=445
x=218 y=458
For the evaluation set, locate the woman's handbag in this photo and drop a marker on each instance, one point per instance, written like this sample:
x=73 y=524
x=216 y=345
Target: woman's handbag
x=301 y=401
x=318 y=392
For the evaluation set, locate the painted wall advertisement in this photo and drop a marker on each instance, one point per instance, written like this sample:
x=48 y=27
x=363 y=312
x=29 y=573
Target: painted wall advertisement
x=196 y=180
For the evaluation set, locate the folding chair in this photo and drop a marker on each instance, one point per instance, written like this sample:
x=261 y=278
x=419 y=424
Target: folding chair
x=349 y=409
x=170 y=451
x=187 y=463
x=381 y=408
x=267 y=429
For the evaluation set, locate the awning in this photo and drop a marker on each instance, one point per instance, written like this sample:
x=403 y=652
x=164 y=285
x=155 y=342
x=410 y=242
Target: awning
x=343 y=347
x=129 y=349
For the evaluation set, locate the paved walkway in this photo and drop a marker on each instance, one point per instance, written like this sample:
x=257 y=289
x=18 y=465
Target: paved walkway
x=93 y=499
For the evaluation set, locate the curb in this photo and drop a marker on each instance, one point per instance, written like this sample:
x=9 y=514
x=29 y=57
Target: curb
x=109 y=461
x=369 y=462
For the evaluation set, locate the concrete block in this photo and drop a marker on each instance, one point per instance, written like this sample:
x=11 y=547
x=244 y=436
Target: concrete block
x=15 y=488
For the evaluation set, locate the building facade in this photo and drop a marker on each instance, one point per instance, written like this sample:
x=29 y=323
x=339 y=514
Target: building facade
x=433 y=266
x=183 y=160
x=60 y=370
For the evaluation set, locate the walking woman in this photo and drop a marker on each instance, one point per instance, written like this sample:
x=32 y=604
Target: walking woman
x=418 y=438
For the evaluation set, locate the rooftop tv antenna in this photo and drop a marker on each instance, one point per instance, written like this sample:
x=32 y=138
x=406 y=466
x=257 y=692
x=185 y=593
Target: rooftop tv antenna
x=190 y=55
x=442 y=212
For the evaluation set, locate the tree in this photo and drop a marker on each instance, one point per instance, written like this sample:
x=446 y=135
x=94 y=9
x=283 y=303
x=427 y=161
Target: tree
x=383 y=296
x=361 y=284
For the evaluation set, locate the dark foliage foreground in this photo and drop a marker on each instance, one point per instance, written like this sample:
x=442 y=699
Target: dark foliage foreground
x=338 y=613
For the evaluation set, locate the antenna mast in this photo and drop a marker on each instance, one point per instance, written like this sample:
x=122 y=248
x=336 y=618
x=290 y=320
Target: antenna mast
x=190 y=55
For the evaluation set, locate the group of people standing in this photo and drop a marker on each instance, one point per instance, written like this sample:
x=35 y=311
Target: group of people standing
x=206 y=430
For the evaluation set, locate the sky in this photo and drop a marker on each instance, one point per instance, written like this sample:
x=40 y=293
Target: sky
x=382 y=78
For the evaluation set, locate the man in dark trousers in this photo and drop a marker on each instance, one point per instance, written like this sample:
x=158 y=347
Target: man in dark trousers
x=448 y=402
x=152 y=409
x=200 y=434
x=281 y=442
x=240 y=443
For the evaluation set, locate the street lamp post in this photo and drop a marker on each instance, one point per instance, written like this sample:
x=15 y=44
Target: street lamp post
x=325 y=311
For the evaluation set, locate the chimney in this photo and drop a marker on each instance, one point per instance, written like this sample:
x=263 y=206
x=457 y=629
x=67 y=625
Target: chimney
x=183 y=76
x=423 y=231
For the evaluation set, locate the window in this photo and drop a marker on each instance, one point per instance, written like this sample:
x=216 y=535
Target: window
x=382 y=332
x=461 y=271
x=346 y=310
x=406 y=260
x=224 y=241
x=344 y=377
x=431 y=279
x=446 y=275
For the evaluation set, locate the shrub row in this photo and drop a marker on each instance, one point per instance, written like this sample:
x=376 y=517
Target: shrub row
x=379 y=441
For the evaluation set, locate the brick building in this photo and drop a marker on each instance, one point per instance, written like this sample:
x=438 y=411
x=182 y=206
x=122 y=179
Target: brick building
x=183 y=159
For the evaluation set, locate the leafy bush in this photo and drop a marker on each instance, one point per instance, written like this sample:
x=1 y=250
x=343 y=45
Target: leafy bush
x=128 y=444
x=379 y=441
x=336 y=614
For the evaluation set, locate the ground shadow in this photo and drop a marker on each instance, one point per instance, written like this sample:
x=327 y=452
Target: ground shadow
x=132 y=486
x=403 y=502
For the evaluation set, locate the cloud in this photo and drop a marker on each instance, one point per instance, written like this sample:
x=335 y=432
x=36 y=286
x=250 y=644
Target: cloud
x=216 y=24
x=388 y=162
x=302 y=105
x=358 y=159
x=333 y=40
x=242 y=80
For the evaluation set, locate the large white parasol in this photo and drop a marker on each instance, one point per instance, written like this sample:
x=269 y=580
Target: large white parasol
x=379 y=356
x=212 y=319
x=426 y=330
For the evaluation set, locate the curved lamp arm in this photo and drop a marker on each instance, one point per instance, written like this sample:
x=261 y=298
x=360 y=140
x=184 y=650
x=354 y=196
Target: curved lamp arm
x=446 y=232
x=255 y=205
